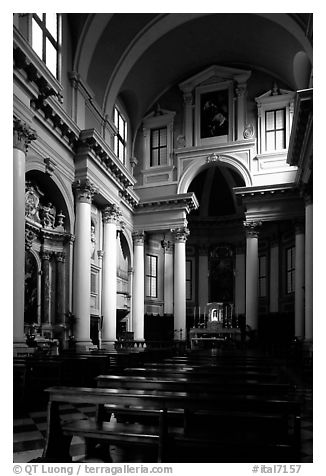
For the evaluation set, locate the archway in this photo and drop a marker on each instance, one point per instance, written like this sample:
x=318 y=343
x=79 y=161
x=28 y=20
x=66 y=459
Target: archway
x=215 y=233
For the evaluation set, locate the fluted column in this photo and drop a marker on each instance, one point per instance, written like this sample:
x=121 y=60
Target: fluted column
x=274 y=275
x=111 y=215
x=299 y=306
x=180 y=237
x=22 y=136
x=168 y=276
x=240 y=279
x=60 y=288
x=252 y=273
x=203 y=277
x=84 y=191
x=309 y=268
x=138 y=286
x=46 y=289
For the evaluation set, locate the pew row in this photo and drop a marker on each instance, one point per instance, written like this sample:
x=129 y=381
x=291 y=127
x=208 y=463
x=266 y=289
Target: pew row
x=280 y=444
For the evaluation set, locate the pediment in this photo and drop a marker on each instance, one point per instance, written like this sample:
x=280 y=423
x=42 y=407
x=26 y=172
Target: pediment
x=215 y=74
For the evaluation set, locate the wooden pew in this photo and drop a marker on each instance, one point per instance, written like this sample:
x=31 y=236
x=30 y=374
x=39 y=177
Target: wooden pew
x=169 y=440
x=221 y=374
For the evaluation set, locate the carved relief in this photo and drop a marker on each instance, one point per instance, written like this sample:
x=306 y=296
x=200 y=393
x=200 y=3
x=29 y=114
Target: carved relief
x=248 y=132
x=40 y=209
x=180 y=234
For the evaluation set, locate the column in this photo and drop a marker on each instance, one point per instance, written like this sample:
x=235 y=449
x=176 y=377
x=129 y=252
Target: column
x=180 y=237
x=240 y=279
x=22 y=136
x=111 y=215
x=60 y=288
x=46 y=290
x=309 y=268
x=203 y=277
x=84 y=192
x=299 y=304
x=252 y=273
x=138 y=287
x=274 y=275
x=168 y=276
x=188 y=113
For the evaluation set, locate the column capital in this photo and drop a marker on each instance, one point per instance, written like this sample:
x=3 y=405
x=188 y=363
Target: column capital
x=46 y=255
x=167 y=246
x=138 y=237
x=252 y=228
x=180 y=234
x=60 y=256
x=84 y=190
x=187 y=98
x=111 y=214
x=241 y=90
x=23 y=135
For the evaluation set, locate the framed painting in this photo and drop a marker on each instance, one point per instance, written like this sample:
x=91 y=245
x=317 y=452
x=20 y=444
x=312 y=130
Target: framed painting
x=213 y=114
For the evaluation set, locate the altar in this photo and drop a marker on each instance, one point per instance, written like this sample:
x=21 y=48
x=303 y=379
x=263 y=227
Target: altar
x=219 y=326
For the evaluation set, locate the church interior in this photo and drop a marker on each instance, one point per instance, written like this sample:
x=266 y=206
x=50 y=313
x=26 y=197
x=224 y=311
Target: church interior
x=162 y=237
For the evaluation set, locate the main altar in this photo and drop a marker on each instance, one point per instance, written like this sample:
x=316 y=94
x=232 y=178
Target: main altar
x=220 y=325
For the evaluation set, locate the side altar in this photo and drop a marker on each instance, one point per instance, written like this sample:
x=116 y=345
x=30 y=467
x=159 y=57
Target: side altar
x=219 y=326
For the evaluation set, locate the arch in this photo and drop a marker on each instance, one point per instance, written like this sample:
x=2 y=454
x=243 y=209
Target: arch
x=66 y=194
x=201 y=163
x=162 y=25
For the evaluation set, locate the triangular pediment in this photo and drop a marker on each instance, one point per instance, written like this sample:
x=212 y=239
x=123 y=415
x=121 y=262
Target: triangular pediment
x=274 y=93
x=215 y=74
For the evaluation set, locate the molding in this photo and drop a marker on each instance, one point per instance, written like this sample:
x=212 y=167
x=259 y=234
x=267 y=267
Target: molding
x=187 y=201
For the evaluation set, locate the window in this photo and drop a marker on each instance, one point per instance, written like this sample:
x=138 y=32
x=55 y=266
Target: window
x=151 y=276
x=158 y=146
x=275 y=115
x=120 y=139
x=275 y=130
x=46 y=39
x=290 y=270
x=188 y=279
x=262 y=277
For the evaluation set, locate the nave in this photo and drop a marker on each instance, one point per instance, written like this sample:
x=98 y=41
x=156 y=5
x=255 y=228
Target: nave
x=30 y=423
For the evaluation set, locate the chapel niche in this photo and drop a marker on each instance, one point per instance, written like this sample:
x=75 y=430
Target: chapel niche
x=47 y=240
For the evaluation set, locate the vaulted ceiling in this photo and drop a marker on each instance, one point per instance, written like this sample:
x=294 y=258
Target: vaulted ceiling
x=138 y=56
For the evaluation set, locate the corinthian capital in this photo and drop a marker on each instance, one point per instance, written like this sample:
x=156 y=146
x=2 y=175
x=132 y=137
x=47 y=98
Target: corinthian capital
x=138 y=237
x=23 y=135
x=84 y=190
x=252 y=228
x=180 y=234
x=111 y=214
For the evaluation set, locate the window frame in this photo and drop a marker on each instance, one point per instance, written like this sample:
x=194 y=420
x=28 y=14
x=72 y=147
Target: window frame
x=262 y=277
x=189 y=280
x=47 y=35
x=275 y=129
x=159 y=147
x=120 y=140
x=151 y=278
x=290 y=270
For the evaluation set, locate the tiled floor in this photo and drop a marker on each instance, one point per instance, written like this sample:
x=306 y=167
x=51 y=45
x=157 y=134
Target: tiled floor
x=30 y=432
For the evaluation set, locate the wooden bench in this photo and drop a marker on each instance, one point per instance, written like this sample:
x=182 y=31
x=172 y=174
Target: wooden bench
x=221 y=374
x=168 y=440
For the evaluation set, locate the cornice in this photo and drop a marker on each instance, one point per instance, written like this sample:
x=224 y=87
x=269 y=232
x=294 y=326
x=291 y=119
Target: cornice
x=301 y=126
x=266 y=191
x=91 y=139
x=185 y=200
